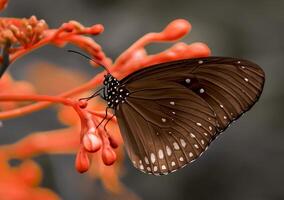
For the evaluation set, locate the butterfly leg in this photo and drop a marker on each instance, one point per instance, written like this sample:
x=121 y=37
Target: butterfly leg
x=103 y=118
x=109 y=119
x=93 y=95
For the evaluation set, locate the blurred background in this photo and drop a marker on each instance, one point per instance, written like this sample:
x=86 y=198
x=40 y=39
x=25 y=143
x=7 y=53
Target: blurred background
x=244 y=163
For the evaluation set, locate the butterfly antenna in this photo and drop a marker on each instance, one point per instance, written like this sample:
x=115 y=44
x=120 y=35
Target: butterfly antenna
x=89 y=58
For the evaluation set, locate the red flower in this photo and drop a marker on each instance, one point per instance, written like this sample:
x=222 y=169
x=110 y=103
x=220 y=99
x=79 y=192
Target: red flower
x=24 y=35
x=92 y=136
x=85 y=133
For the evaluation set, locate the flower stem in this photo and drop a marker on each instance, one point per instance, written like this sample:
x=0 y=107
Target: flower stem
x=41 y=105
x=54 y=99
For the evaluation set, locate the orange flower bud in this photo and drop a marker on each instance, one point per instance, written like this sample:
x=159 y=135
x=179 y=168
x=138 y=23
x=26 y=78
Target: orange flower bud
x=113 y=143
x=83 y=104
x=108 y=156
x=82 y=162
x=176 y=29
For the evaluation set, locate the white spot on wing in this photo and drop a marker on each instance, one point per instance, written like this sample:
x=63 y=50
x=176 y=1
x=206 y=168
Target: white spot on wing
x=172 y=103
x=146 y=160
x=201 y=90
x=182 y=142
x=246 y=79
x=190 y=154
x=198 y=124
x=164 y=167
x=176 y=146
x=161 y=154
x=200 y=61
x=155 y=168
x=173 y=163
x=187 y=80
x=164 y=120
x=153 y=158
x=169 y=151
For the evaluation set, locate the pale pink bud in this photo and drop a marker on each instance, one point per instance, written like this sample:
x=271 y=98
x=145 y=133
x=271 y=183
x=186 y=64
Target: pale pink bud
x=91 y=142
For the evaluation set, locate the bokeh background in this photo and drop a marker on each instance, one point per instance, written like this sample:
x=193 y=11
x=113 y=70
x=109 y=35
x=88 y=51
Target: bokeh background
x=244 y=163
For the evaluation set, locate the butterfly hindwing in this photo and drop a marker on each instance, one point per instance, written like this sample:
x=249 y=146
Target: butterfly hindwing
x=162 y=130
x=174 y=110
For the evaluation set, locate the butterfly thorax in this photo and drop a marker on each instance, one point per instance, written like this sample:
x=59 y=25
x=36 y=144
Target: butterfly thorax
x=114 y=92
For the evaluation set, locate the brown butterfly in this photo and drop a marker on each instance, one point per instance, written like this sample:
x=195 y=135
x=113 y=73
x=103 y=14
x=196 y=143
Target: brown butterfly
x=169 y=113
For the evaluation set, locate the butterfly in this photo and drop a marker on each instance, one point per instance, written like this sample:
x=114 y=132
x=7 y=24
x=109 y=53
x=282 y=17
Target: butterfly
x=169 y=113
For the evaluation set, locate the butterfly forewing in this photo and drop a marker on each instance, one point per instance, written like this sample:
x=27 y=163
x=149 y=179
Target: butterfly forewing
x=230 y=87
x=174 y=110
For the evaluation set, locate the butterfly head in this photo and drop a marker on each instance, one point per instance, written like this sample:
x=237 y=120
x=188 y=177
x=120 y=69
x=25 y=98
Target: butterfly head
x=107 y=79
x=110 y=80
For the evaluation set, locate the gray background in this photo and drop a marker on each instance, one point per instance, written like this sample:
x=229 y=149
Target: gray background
x=245 y=163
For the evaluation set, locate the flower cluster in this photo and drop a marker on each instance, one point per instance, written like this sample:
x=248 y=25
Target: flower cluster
x=25 y=35
x=22 y=32
x=85 y=133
